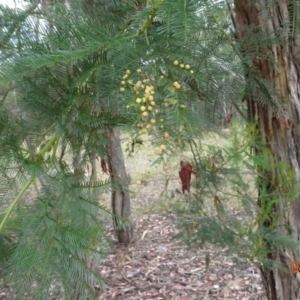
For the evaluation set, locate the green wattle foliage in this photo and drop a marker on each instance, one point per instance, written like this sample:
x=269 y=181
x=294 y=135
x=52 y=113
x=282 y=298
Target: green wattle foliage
x=67 y=63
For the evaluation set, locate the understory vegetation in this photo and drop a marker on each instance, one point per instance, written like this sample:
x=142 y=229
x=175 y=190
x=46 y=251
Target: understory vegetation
x=102 y=104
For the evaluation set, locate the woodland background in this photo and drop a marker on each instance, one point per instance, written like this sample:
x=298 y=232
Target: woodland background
x=101 y=101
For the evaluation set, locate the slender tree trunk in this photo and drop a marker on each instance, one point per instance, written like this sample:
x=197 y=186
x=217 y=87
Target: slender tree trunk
x=228 y=115
x=120 y=200
x=279 y=130
x=93 y=161
x=78 y=166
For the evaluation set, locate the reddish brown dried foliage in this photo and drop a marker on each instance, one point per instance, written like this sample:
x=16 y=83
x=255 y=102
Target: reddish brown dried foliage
x=103 y=166
x=185 y=175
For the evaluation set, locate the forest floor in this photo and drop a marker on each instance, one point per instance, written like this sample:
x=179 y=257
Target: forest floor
x=157 y=266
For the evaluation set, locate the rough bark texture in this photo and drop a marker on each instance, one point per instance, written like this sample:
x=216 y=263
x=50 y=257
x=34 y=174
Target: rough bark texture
x=120 y=181
x=281 y=133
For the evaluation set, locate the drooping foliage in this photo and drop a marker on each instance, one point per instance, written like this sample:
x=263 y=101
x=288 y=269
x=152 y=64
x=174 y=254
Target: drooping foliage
x=78 y=69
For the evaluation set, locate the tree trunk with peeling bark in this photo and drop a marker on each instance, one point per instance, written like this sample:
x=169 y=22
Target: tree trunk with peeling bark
x=280 y=132
x=120 y=182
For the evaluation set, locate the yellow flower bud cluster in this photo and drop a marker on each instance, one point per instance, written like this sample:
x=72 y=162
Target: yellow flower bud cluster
x=183 y=66
x=162 y=147
x=144 y=99
x=145 y=103
x=123 y=81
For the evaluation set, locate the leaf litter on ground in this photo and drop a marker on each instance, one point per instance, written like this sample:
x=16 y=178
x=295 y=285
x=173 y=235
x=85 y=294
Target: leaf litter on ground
x=158 y=267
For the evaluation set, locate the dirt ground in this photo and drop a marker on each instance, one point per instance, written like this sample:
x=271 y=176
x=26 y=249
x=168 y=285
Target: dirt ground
x=157 y=267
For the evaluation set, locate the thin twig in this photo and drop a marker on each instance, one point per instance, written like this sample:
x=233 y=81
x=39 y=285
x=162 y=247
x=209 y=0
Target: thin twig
x=165 y=188
x=6 y=92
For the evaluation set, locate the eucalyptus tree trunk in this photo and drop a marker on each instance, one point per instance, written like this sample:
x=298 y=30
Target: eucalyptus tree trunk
x=120 y=200
x=280 y=132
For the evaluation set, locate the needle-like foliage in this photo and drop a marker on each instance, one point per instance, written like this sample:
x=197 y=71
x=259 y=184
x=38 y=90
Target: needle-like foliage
x=67 y=62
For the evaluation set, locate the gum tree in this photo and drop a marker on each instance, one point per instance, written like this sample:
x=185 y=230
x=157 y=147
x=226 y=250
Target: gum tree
x=267 y=33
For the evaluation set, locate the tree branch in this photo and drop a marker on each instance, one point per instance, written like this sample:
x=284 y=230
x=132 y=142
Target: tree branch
x=6 y=92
